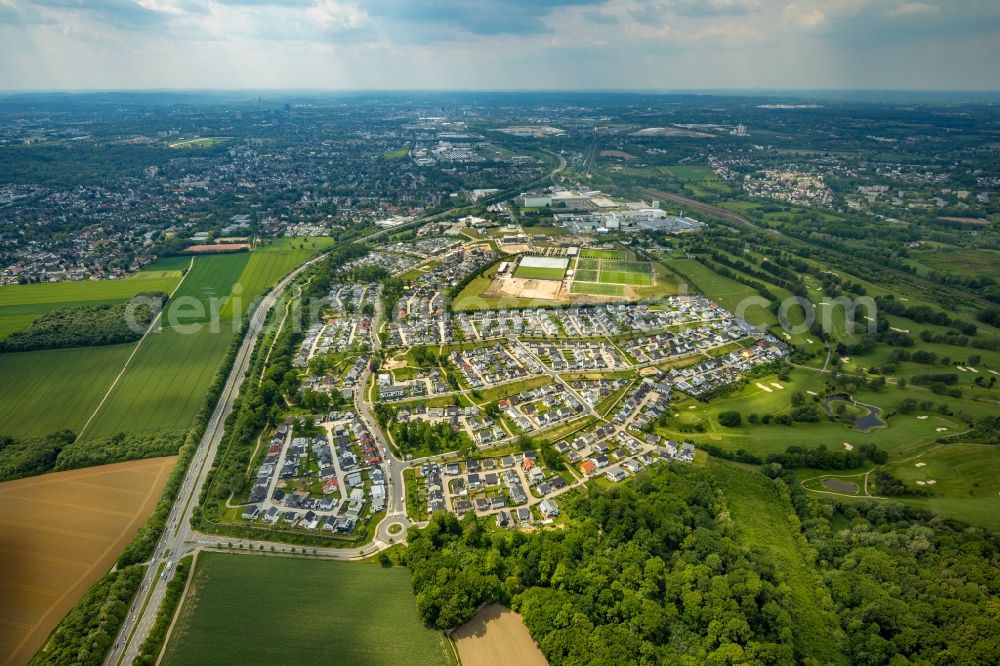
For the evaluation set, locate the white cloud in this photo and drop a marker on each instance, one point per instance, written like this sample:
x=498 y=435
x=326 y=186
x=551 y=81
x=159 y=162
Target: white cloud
x=806 y=17
x=911 y=8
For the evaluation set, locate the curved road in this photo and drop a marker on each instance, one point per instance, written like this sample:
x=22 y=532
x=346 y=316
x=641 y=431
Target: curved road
x=179 y=539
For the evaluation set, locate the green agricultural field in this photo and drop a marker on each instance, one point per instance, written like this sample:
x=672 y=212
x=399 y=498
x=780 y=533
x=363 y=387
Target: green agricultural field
x=597 y=253
x=210 y=281
x=267 y=264
x=534 y=273
x=22 y=304
x=596 y=289
x=691 y=174
x=300 y=611
x=45 y=391
x=616 y=277
x=165 y=383
x=980 y=263
x=585 y=276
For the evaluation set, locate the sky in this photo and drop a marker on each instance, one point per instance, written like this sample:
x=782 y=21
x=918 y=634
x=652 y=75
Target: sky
x=500 y=44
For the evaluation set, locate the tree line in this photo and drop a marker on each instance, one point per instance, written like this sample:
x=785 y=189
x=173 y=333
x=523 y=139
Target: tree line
x=88 y=325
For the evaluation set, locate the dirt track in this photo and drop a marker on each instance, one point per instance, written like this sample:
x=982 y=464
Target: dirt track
x=496 y=636
x=59 y=533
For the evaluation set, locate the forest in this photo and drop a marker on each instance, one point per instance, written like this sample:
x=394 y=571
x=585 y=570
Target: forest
x=59 y=451
x=88 y=325
x=651 y=572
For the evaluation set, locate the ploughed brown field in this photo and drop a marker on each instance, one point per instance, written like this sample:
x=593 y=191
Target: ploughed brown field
x=61 y=532
x=496 y=636
x=218 y=247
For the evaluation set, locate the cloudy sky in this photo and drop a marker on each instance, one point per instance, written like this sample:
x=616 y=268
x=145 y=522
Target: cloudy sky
x=500 y=44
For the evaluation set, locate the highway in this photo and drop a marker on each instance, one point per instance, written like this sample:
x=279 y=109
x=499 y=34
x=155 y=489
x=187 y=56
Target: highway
x=179 y=539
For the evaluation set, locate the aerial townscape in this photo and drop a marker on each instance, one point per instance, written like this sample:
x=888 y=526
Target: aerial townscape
x=321 y=373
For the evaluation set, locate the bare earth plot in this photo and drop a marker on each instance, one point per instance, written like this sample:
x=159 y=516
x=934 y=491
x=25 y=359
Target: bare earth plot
x=496 y=636
x=59 y=533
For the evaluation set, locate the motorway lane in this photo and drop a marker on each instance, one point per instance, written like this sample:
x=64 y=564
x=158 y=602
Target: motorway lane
x=177 y=538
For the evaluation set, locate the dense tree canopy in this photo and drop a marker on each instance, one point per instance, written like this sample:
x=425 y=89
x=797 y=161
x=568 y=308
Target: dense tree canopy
x=87 y=325
x=650 y=572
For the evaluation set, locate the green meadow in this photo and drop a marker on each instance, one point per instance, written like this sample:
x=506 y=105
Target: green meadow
x=45 y=391
x=300 y=611
x=164 y=384
x=23 y=303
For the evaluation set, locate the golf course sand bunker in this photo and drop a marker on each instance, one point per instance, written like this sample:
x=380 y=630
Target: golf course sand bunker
x=839 y=485
x=496 y=636
x=59 y=533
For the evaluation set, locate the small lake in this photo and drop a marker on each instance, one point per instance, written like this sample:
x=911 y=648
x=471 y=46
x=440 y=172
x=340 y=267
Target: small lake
x=865 y=422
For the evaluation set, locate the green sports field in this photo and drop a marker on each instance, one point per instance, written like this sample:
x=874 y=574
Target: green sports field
x=534 y=273
x=585 y=276
x=597 y=253
x=298 y=611
x=597 y=289
x=588 y=264
x=627 y=266
x=45 y=391
x=618 y=277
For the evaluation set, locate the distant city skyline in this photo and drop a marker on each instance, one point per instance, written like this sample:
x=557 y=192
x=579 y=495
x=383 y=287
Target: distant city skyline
x=500 y=44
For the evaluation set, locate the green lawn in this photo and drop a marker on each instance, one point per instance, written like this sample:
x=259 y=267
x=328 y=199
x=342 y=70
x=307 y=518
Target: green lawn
x=588 y=264
x=966 y=481
x=585 y=276
x=597 y=289
x=535 y=273
x=398 y=154
x=627 y=266
x=763 y=519
x=724 y=291
x=597 y=253
x=249 y=610
x=45 y=391
x=616 y=277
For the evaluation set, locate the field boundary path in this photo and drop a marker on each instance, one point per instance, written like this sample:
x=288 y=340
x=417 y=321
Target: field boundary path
x=178 y=538
x=152 y=325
